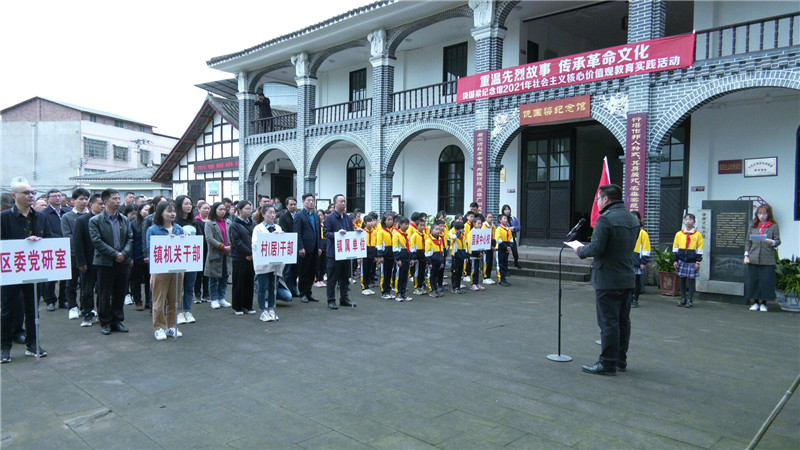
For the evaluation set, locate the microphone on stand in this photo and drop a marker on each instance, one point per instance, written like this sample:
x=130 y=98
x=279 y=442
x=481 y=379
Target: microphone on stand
x=574 y=230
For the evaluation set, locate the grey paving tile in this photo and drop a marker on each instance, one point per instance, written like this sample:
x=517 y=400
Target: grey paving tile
x=400 y=440
x=332 y=440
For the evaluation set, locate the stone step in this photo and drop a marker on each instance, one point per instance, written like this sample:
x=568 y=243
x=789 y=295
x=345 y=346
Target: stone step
x=550 y=265
x=550 y=274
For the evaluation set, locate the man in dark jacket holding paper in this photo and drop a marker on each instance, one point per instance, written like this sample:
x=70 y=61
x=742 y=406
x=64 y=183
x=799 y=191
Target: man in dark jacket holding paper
x=613 y=279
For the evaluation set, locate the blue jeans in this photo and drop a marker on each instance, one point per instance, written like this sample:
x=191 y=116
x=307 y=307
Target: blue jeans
x=217 y=288
x=188 y=290
x=267 y=291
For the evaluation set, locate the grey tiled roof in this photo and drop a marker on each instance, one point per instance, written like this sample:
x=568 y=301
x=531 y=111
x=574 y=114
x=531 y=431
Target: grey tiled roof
x=348 y=15
x=229 y=109
x=139 y=174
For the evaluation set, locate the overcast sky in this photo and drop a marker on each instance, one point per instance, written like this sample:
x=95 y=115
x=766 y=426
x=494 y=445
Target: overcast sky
x=138 y=59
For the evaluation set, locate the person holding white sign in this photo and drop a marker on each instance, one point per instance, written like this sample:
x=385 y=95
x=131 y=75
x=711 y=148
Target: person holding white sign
x=338 y=271
x=477 y=256
x=265 y=274
x=20 y=222
x=164 y=286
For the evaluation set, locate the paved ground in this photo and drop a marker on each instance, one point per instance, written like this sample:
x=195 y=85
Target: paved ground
x=467 y=371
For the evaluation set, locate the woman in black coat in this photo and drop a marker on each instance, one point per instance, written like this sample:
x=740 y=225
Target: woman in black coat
x=241 y=232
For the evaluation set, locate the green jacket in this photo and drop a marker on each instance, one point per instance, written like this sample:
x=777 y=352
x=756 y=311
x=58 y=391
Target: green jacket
x=613 y=240
x=100 y=233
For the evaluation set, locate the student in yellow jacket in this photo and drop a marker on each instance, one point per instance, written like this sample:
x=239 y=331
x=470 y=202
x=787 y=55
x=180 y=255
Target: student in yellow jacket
x=385 y=254
x=489 y=263
x=403 y=251
x=434 y=255
x=368 y=263
x=416 y=232
x=641 y=256
x=505 y=243
x=459 y=249
x=688 y=251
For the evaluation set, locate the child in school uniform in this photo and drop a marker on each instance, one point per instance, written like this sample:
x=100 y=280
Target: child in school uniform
x=403 y=251
x=386 y=255
x=434 y=255
x=489 y=260
x=459 y=250
x=368 y=263
x=469 y=216
x=688 y=251
x=417 y=229
x=476 y=256
x=504 y=237
x=641 y=256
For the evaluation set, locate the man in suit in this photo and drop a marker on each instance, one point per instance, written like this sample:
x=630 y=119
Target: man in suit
x=613 y=279
x=338 y=271
x=309 y=246
x=20 y=222
x=84 y=258
x=53 y=212
x=286 y=222
x=112 y=237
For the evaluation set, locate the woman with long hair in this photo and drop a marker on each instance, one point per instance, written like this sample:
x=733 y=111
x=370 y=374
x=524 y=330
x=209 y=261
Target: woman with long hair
x=218 y=260
x=242 y=256
x=513 y=223
x=166 y=289
x=759 y=256
x=141 y=269
x=266 y=275
x=185 y=218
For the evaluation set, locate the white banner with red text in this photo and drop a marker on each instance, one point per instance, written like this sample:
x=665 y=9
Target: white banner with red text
x=275 y=248
x=351 y=245
x=480 y=239
x=176 y=254
x=25 y=261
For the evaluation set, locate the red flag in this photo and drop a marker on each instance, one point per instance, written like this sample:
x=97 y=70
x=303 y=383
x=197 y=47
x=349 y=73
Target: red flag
x=604 y=179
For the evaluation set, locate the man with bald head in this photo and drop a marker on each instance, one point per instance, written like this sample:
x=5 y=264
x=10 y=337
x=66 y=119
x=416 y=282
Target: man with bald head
x=20 y=222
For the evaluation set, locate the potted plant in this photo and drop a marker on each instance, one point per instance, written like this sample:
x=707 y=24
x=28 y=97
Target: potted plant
x=787 y=272
x=668 y=282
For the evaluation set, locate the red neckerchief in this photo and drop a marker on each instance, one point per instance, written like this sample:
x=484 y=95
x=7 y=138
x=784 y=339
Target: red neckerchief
x=408 y=248
x=688 y=237
x=369 y=236
x=762 y=226
x=438 y=242
x=508 y=232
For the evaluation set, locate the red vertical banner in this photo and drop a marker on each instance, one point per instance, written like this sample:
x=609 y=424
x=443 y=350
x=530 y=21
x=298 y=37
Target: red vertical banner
x=479 y=168
x=635 y=161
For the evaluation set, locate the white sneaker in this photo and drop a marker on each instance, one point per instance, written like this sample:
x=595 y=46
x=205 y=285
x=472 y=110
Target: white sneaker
x=174 y=332
x=160 y=334
x=398 y=298
x=181 y=318
x=86 y=323
x=224 y=303
x=270 y=316
x=197 y=300
x=251 y=311
x=238 y=313
x=754 y=307
x=416 y=292
x=128 y=299
x=366 y=292
x=274 y=316
x=488 y=281
x=189 y=317
x=763 y=308
x=467 y=278
x=214 y=304
x=265 y=316
x=74 y=313
x=387 y=296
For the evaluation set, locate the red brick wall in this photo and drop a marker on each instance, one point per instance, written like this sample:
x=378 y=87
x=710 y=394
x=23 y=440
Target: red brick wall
x=41 y=110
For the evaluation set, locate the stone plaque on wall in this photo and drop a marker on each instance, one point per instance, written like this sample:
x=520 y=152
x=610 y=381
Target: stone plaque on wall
x=728 y=235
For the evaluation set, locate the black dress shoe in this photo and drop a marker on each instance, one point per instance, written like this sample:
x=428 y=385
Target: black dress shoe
x=51 y=306
x=304 y=298
x=622 y=366
x=311 y=299
x=332 y=305
x=347 y=303
x=106 y=329
x=599 y=369
x=19 y=338
x=119 y=327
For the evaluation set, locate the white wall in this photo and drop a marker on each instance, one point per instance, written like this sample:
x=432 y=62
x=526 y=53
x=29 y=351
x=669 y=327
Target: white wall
x=511 y=163
x=423 y=66
x=123 y=137
x=416 y=174
x=332 y=173
x=334 y=86
x=716 y=14
x=58 y=152
x=739 y=126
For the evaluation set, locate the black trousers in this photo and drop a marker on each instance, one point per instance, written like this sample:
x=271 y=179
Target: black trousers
x=420 y=269
x=456 y=272
x=88 y=283
x=17 y=301
x=436 y=273
x=322 y=267
x=338 y=274
x=367 y=271
x=614 y=320
x=386 y=278
x=72 y=287
x=49 y=293
x=307 y=272
x=244 y=277
x=140 y=277
x=402 y=275
x=502 y=261
x=515 y=252
x=112 y=286
x=487 y=269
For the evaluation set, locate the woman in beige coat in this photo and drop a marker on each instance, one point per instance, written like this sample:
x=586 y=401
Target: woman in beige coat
x=218 y=260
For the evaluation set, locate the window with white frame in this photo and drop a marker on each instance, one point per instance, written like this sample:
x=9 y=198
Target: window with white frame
x=120 y=153
x=94 y=148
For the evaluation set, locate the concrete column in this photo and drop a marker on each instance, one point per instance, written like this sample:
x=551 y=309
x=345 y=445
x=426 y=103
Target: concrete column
x=493 y=189
x=309 y=185
x=386 y=180
x=382 y=89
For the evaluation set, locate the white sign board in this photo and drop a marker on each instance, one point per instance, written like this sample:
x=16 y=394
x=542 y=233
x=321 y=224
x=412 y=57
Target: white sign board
x=480 y=239
x=275 y=248
x=351 y=245
x=23 y=261
x=176 y=254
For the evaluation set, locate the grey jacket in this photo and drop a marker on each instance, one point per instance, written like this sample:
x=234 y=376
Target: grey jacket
x=214 y=258
x=100 y=232
x=613 y=240
x=760 y=252
x=68 y=226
